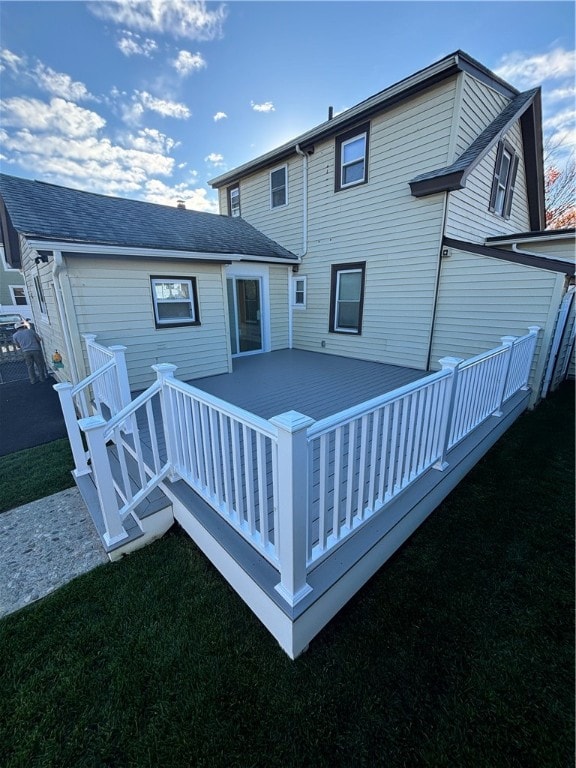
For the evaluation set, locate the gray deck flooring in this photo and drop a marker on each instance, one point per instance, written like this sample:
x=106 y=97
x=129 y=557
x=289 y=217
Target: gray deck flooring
x=315 y=384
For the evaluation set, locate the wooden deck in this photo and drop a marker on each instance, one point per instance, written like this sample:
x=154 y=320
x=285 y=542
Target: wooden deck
x=312 y=383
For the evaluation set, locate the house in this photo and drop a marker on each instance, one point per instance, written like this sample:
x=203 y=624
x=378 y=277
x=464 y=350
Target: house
x=13 y=296
x=406 y=233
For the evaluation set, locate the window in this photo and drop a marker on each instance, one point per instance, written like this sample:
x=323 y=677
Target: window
x=175 y=301
x=234 y=201
x=347 y=298
x=504 y=179
x=299 y=292
x=278 y=187
x=352 y=158
x=40 y=295
x=18 y=293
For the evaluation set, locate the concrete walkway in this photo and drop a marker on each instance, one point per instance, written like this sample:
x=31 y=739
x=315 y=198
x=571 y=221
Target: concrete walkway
x=44 y=545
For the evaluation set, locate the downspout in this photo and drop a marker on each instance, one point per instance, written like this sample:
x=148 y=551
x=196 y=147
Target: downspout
x=437 y=283
x=304 y=157
x=57 y=269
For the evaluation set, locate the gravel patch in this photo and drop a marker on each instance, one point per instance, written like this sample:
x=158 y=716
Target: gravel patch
x=44 y=545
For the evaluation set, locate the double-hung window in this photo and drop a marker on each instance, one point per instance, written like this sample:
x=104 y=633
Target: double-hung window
x=279 y=187
x=352 y=157
x=234 y=200
x=504 y=180
x=347 y=297
x=175 y=301
x=299 y=292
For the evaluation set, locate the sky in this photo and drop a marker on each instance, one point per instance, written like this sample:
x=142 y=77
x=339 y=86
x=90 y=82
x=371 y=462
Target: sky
x=150 y=99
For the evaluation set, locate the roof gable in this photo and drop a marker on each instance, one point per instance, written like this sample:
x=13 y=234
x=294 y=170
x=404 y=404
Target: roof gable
x=49 y=212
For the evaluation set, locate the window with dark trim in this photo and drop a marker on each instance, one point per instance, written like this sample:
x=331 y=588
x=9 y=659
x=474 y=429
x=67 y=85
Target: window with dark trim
x=504 y=179
x=234 y=200
x=352 y=157
x=347 y=297
x=279 y=187
x=175 y=301
x=40 y=295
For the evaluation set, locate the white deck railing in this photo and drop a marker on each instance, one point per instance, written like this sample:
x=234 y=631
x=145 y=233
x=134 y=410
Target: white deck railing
x=107 y=384
x=294 y=488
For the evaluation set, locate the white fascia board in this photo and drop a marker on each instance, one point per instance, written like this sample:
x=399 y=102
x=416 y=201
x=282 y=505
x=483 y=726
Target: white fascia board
x=155 y=253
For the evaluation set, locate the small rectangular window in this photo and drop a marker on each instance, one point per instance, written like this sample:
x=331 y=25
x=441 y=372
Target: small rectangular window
x=18 y=293
x=504 y=179
x=299 y=292
x=234 y=201
x=347 y=298
x=40 y=295
x=278 y=187
x=175 y=301
x=352 y=158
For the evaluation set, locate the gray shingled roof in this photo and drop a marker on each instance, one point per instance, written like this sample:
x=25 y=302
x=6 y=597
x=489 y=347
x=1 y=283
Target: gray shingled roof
x=48 y=212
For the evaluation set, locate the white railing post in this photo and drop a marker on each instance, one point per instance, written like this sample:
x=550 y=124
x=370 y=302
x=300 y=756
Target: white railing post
x=293 y=504
x=165 y=371
x=533 y=330
x=508 y=342
x=94 y=427
x=89 y=338
x=448 y=364
x=119 y=352
x=64 y=391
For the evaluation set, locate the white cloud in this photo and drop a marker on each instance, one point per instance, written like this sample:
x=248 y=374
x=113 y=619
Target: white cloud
x=559 y=120
x=156 y=191
x=9 y=60
x=530 y=71
x=60 y=84
x=189 y=19
x=215 y=159
x=560 y=94
x=163 y=107
x=220 y=116
x=151 y=140
x=267 y=106
x=59 y=115
x=187 y=62
x=132 y=44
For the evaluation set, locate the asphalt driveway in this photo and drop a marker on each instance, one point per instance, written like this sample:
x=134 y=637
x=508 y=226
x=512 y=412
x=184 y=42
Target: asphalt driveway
x=29 y=415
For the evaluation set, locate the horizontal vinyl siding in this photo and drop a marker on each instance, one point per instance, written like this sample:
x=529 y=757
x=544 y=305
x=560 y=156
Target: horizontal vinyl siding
x=279 y=298
x=113 y=300
x=481 y=299
x=47 y=326
x=468 y=214
x=480 y=105
x=380 y=223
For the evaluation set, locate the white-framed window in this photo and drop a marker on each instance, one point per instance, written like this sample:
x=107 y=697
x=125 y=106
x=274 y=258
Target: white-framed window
x=347 y=298
x=40 y=296
x=299 y=292
x=279 y=187
x=352 y=158
x=18 y=293
x=234 y=200
x=504 y=179
x=175 y=301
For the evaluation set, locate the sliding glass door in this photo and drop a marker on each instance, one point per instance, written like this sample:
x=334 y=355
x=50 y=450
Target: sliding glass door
x=245 y=311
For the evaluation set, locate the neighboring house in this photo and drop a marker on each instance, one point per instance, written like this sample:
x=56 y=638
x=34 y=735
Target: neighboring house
x=159 y=280
x=412 y=214
x=13 y=296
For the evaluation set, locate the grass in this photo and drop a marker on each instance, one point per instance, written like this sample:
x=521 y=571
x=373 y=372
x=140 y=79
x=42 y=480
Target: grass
x=34 y=473
x=458 y=652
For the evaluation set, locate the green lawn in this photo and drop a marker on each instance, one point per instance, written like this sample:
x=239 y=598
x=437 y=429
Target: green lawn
x=457 y=653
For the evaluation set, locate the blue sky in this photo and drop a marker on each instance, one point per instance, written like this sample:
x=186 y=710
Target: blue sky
x=152 y=99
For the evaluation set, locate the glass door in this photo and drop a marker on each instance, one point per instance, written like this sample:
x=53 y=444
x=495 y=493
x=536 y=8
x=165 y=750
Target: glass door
x=245 y=311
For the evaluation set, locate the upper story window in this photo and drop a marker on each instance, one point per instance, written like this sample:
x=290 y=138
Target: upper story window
x=18 y=293
x=352 y=157
x=504 y=179
x=234 y=200
x=279 y=187
x=347 y=297
x=175 y=301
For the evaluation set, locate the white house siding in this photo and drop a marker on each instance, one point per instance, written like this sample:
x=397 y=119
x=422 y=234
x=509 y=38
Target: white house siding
x=481 y=299
x=279 y=302
x=380 y=223
x=468 y=215
x=47 y=325
x=479 y=106
x=112 y=298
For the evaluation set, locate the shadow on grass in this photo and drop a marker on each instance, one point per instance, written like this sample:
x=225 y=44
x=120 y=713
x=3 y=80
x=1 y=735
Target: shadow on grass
x=458 y=652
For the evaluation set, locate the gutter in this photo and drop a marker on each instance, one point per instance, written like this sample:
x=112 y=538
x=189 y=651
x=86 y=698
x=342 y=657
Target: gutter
x=304 y=156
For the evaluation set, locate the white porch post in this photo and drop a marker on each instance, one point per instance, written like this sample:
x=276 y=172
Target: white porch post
x=533 y=330
x=165 y=371
x=74 y=435
x=119 y=352
x=89 y=338
x=507 y=341
x=94 y=427
x=448 y=364
x=293 y=504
